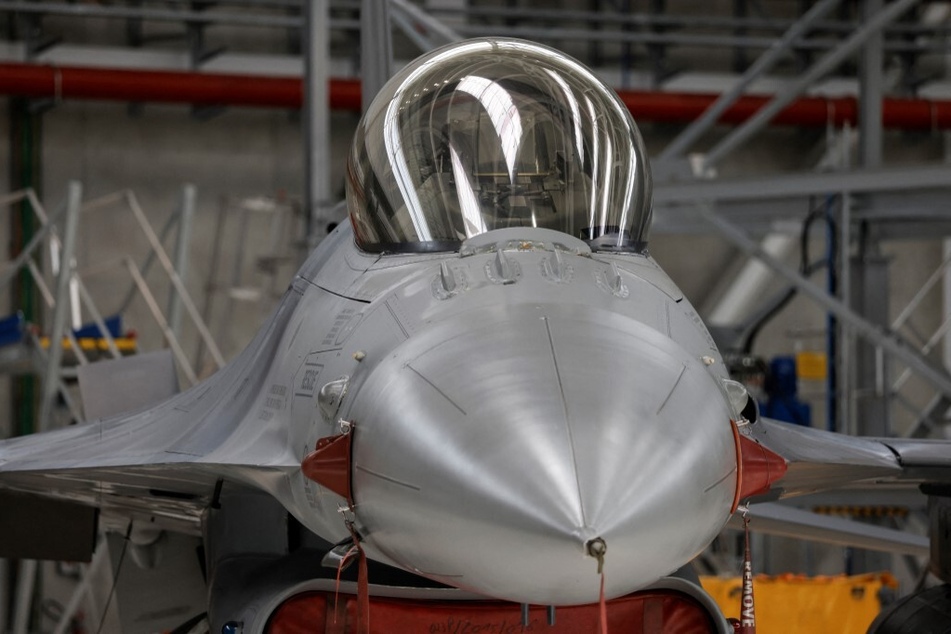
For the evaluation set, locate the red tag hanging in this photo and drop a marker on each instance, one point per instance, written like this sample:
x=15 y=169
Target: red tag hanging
x=603 y=609
x=341 y=566
x=747 y=613
x=363 y=586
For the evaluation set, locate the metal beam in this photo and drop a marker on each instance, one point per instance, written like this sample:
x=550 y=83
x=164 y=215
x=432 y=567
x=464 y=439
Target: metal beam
x=158 y=15
x=26 y=585
x=757 y=224
x=13 y=268
x=946 y=301
x=832 y=59
x=763 y=63
x=558 y=34
x=554 y=34
x=889 y=342
x=317 y=188
x=928 y=40
x=897 y=215
x=54 y=358
x=870 y=92
x=376 y=50
x=177 y=284
x=775 y=519
x=185 y=216
x=426 y=31
x=4 y=593
x=647 y=20
x=84 y=587
x=803 y=184
x=845 y=371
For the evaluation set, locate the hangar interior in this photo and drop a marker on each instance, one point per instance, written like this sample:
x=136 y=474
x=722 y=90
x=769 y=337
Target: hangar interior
x=191 y=153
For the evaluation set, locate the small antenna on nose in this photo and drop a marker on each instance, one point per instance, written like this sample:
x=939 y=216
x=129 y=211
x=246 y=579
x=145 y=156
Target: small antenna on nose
x=446 y=278
x=504 y=268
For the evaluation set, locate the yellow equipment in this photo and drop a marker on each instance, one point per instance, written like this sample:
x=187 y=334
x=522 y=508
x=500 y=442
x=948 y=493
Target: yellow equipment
x=794 y=604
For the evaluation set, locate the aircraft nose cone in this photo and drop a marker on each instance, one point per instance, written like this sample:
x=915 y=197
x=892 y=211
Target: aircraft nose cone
x=492 y=451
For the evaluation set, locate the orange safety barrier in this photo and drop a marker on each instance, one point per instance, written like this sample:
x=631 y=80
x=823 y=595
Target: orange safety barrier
x=797 y=604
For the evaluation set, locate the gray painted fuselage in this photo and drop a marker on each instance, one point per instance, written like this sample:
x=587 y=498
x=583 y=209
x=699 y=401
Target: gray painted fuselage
x=510 y=402
x=509 y=408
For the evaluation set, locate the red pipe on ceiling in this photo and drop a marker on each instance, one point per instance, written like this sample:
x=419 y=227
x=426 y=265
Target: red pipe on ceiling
x=202 y=89
x=213 y=89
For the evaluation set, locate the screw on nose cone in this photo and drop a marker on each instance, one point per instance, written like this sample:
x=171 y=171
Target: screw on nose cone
x=596 y=548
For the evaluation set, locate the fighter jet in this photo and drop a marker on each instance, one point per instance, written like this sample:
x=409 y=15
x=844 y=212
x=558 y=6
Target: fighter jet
x=484 y=382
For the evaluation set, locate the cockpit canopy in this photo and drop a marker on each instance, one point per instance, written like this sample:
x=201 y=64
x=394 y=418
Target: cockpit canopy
x=495 y=133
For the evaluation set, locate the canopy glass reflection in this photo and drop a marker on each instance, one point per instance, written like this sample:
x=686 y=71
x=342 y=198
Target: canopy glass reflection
x=494 y=134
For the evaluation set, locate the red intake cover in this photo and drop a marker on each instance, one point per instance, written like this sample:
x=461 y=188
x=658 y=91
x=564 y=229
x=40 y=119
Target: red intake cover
x=757 y=468
x=329 y=465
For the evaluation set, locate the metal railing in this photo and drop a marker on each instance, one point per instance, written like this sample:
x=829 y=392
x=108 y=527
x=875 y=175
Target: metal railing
x=70 y=295
x=179 y=295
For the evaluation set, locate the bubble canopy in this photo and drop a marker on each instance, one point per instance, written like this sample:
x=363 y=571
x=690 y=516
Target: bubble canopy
x=496 y=133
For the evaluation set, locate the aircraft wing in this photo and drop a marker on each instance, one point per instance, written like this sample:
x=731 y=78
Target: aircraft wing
x=775 y=518
x=817 y=460
x=801 y=460
x=165 y=463
x=924 y=460
x=74 y=464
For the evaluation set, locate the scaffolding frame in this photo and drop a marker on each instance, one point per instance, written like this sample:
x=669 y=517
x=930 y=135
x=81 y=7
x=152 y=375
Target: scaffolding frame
x=69 y=295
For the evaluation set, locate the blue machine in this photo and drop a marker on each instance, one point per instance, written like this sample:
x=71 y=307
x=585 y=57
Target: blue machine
x=782 y=394
x=11 y=328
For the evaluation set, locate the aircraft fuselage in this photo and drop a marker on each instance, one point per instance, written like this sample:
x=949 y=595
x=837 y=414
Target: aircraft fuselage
x=510 y=403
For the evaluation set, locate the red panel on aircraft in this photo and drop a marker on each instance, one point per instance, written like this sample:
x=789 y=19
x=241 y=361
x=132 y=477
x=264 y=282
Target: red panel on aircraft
x=759 y=468
x=652 y=612
x=329 y=464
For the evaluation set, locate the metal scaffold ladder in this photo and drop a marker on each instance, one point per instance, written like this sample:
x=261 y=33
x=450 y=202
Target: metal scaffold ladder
x=67 y=298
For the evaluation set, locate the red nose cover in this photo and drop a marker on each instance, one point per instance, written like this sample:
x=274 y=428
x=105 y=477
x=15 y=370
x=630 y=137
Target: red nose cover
x=329 y=465
x=645 y=612
x=757 y=468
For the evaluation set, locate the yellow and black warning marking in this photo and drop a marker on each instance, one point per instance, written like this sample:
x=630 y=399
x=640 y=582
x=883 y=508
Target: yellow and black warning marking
x=848 y=510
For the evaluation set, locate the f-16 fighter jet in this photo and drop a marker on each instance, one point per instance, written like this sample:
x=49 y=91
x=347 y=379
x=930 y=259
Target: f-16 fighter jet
x=483 y=383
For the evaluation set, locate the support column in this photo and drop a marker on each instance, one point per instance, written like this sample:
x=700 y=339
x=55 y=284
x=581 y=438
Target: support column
x=317 y=194
x=868 y=273
x=870 y=91
x=26 y=135
x=26 y=138
x=869 y=298
x=376 y=51
x=61 y=308
x=869 y=269
x=844 y=349
x=185 y=215
x=23 y=604
x=946 y=356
